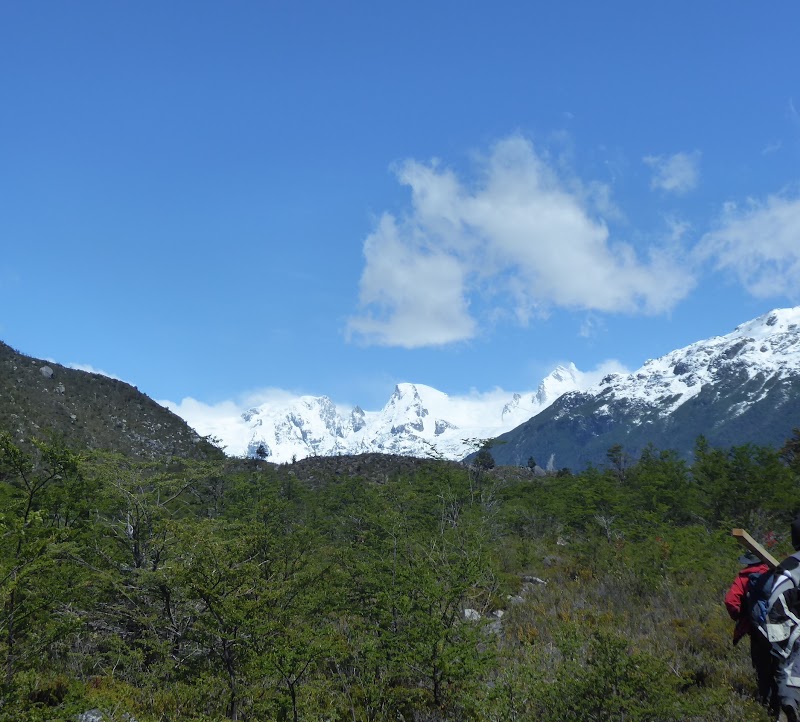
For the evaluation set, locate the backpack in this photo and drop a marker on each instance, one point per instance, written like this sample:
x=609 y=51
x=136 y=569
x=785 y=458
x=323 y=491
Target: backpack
x=759 y=586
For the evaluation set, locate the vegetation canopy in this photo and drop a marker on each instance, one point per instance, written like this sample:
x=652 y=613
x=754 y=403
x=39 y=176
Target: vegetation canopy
x=376 y=588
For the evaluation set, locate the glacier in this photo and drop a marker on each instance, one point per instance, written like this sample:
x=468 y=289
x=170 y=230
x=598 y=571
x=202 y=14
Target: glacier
x=417 y=420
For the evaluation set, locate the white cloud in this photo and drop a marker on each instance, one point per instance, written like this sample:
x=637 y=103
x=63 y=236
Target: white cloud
x=521 y=237
x=676 y=173
x=223 y=420
x=92 y=370
x=760 y=244
x=414 y=293
x=88 y=368
x=597 y=374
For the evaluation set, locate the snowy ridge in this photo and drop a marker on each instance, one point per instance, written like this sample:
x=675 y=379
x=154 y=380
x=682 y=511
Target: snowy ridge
x=757 y=361
x=768 y=346
x=417 y=420
x=740 y=388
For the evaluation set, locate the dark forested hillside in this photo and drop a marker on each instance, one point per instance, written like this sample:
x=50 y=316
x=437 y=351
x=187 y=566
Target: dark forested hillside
x=90 y=411
x=379 y=588
x=578 y=428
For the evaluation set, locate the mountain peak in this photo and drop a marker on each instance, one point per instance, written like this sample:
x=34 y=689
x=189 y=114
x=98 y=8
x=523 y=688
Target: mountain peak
x=559 y=381
x=417 y=420
x=736 y=388
x=404 y=390
x=750 y=364
x=779 y=319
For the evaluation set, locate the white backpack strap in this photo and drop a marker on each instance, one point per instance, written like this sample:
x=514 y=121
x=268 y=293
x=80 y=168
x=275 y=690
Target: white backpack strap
x=784 y=635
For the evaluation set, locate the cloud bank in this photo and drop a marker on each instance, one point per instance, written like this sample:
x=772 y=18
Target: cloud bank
x=519 y=238
x=759 y=244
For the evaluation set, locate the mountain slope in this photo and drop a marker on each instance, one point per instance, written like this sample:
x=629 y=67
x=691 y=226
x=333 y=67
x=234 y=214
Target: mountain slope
x=89 y=411
x=738 y=388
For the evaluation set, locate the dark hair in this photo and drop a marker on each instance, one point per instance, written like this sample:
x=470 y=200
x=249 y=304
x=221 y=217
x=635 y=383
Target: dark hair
x=796 y=532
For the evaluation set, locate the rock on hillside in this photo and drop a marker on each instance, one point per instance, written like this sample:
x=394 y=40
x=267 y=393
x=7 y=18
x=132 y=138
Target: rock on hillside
x=90 y=411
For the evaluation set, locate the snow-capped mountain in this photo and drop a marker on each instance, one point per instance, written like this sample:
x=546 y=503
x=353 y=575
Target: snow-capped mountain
x=417 y=420
x=737 y=388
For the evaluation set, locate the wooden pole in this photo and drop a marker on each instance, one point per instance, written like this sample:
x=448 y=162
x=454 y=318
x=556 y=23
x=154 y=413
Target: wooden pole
x=747 y=541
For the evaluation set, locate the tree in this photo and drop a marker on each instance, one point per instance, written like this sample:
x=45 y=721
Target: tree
x=408 y=644
x=620 y=461
x=484 y=459
x=33 y=536
x=790 y=451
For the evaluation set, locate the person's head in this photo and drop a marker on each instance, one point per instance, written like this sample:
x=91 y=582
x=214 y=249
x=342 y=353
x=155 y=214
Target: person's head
x=796 y=532
x=748 y=559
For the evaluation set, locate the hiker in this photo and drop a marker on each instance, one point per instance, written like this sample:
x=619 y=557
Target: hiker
x=754 y=573
x=783 y=625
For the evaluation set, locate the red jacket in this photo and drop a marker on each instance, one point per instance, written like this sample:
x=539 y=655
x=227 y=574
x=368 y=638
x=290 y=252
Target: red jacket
x=734 y=600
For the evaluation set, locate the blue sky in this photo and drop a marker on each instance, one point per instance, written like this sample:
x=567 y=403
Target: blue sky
x=207 y=199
